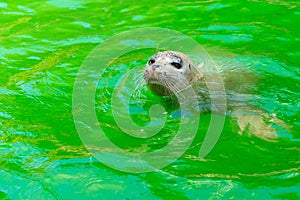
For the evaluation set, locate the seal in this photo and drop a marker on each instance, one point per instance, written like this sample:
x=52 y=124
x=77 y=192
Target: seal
x=169 y=72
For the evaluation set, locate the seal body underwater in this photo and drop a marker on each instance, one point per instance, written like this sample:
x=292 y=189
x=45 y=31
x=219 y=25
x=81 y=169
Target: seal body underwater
x=170 y=72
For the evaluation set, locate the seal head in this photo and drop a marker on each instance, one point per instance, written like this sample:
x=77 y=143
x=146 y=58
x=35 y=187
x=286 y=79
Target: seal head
x=169 y=72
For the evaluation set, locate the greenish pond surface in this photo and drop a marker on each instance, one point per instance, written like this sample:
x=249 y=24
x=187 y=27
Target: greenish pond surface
x=44 y=43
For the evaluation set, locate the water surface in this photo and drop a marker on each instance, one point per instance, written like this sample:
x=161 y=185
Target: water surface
x=43 y=44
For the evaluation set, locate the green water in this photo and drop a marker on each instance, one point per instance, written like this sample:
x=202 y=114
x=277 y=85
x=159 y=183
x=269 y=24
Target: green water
x=44 y=43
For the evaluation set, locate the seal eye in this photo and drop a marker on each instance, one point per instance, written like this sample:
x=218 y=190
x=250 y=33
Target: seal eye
x=176 y=65
x=151 y=61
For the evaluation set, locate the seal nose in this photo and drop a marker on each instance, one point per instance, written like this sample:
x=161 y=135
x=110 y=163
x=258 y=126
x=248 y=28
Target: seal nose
x=154 y=67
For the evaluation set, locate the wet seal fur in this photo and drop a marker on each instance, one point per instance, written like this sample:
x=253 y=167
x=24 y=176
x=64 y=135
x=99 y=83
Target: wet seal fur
x=169 y=72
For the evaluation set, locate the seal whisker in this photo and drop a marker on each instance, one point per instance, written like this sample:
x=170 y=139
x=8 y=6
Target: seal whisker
x=139 y=83
x=172 y=87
